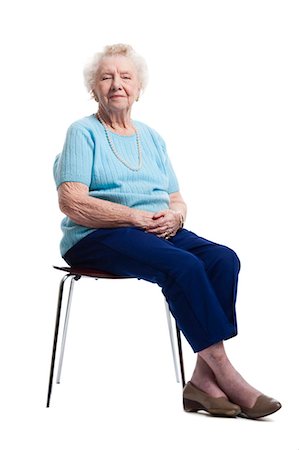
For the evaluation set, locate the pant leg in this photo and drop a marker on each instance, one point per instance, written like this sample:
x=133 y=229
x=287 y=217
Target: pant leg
x=181 y=275
x=222 y=266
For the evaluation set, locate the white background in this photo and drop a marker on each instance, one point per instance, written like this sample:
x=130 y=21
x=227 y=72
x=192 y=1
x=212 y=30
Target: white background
x=223 y=93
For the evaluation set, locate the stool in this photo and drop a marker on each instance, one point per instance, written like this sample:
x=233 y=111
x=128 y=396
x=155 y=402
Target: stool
x=75 y=274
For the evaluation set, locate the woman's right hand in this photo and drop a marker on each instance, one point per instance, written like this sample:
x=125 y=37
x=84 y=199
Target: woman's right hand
x=143 y=219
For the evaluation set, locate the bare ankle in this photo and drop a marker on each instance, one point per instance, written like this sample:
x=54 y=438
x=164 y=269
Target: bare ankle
x=208 y=386
x=214 y=355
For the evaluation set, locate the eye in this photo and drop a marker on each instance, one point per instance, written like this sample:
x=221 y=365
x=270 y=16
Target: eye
x=106 y=78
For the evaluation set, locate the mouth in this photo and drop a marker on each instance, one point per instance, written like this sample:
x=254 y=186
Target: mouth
x=117 y=96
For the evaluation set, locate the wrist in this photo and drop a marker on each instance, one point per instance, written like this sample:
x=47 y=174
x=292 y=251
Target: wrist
x=134 y=218
x=181 y=219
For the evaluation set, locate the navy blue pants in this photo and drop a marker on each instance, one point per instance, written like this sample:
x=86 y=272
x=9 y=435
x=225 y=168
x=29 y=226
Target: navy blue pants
x=198 y=277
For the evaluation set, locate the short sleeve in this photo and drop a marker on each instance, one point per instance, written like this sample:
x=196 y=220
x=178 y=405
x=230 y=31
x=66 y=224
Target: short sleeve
x=173 y=184
x=75 y=162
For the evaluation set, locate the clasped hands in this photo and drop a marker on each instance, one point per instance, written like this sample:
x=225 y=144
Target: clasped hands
x=165 y=224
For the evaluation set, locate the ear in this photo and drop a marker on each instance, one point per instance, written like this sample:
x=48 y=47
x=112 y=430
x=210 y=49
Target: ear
x=138 y=94
x=94 y=95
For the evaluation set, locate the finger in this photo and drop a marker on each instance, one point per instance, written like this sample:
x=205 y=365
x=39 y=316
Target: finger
x=159 y=214
x=163 y=235
x=160 y=223
x=158 y=230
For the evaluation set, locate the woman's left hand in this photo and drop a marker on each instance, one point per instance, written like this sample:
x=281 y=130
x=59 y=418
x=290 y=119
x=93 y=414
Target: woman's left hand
x=167 y=223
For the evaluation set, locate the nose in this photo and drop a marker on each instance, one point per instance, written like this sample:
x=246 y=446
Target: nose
x=116 y=83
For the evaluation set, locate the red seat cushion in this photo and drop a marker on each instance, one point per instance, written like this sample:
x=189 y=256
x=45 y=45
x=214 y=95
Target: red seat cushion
x=90 y=272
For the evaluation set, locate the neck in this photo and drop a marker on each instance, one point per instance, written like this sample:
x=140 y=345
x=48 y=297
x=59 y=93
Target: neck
x=117 y=121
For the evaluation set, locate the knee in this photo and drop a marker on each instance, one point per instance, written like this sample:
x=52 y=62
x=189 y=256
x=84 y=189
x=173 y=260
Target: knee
x=229 y=258
x=187 y=265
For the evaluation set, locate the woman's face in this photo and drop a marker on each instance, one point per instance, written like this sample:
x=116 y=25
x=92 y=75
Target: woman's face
x=117 y=84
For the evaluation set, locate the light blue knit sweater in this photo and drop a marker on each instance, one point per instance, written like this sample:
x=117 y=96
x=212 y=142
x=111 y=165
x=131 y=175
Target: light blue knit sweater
x=87 y=158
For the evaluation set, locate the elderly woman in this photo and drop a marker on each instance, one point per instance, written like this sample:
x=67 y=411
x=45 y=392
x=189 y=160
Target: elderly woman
x=124 y=214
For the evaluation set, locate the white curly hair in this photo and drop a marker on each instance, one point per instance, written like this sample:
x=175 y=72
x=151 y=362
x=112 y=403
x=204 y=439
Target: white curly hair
x=91 y=69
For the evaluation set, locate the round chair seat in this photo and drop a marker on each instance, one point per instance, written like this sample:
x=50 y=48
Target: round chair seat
x=84 y=272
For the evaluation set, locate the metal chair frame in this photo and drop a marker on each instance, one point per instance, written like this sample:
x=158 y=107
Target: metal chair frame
x=74 y=274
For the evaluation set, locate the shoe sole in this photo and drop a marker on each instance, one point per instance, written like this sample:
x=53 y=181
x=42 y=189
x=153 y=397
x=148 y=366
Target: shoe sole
x=193 y=406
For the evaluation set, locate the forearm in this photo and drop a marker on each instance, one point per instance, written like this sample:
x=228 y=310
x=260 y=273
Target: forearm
x=92 y=212
x=95 y=213
x=178 y=205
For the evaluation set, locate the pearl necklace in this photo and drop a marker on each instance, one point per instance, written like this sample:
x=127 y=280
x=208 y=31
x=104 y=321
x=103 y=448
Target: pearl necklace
x=111 y=145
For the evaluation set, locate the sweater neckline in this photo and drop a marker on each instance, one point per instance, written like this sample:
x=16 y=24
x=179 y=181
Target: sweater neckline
x=113 y=132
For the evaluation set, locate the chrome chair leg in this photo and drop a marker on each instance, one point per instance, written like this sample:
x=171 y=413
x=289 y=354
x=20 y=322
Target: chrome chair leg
x=178 y=334
x=56 y=331
x=65 y=328
x=170 y=329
